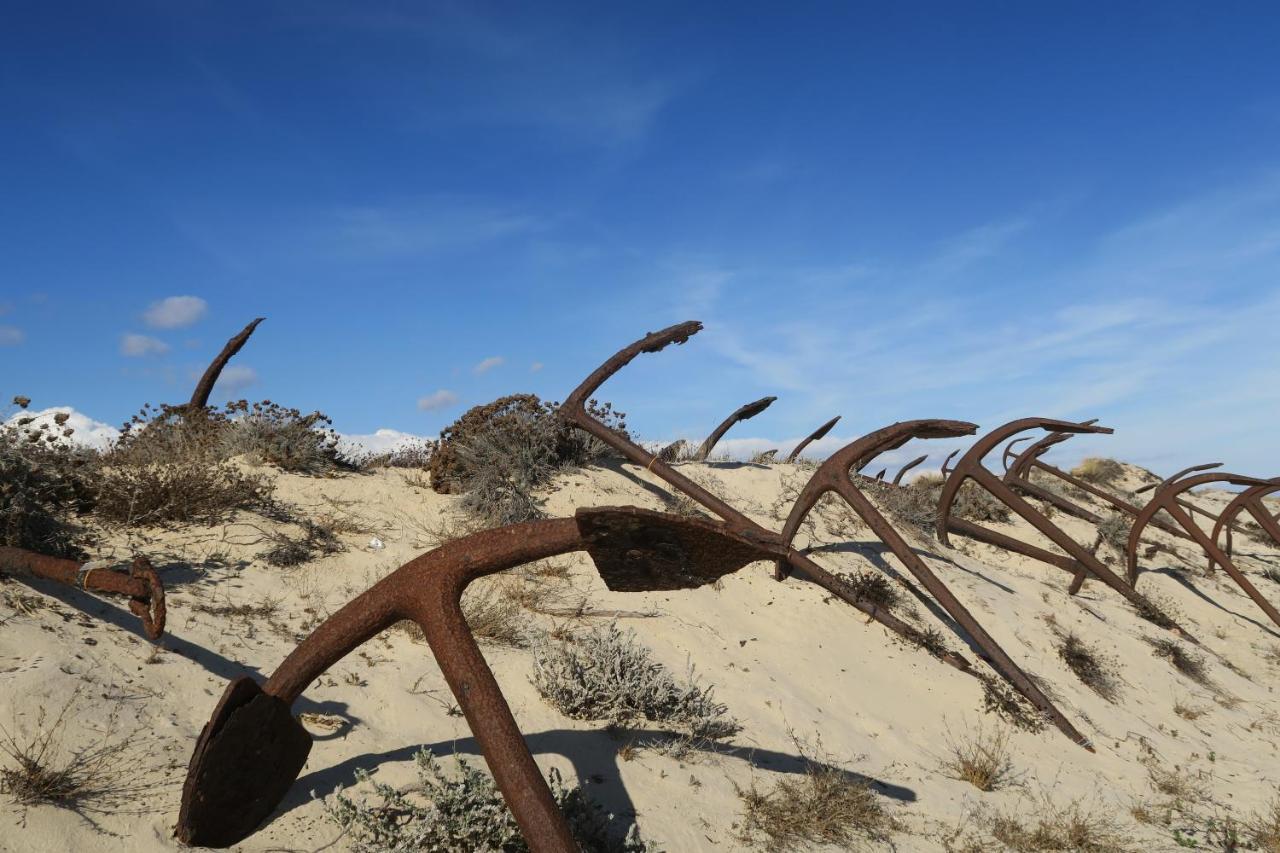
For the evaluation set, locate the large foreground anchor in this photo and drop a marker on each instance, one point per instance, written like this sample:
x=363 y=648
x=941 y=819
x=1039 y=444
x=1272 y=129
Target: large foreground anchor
x=141 y=583
x=252 y=749
x=1166 y=497
x=834 y=476
x=1078 y=561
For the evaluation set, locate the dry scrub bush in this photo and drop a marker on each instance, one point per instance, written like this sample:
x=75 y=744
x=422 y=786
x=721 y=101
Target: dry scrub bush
x=44 y=484
x=1006 y=703
x=1189 y=664
x=269 y=434
x=605 y=674
x=1263 y=829
x=1068 y=828
x=168 y=468
x=1094 y=671
x=464 y=813
x=767 y=457
x=983 y=760
x=820 y=805
x=916 y=504
x=40 y=771
x=318 y=538
x=1113 y=531
x=1099 y=471
x=497 y=455
x=873 y=588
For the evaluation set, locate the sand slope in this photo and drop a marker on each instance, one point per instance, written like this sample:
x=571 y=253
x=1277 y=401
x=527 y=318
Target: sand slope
x=789 y=663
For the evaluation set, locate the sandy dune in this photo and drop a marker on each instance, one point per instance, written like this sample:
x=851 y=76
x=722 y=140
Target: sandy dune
x=789 y=663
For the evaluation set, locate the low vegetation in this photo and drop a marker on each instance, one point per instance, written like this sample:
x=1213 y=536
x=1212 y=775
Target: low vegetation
x=38 y=770
x=822 y=804
x=497 y=455
x=465 y=812
x=916 y=504
x=45 y=484
x=1188 y=663
x=1094 y=671
x=983 y=759
x=605 y=674
x=1099 y=471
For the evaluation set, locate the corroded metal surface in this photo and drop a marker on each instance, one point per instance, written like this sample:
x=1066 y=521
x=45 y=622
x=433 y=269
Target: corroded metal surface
x=573 y=410
x=1250 y=500
x=833 y=476
x=252 y=749
x=750 y=410
x=200 y=396
x=1166 y=498
x=141 y=584
x=811 y=438
x=970 y=468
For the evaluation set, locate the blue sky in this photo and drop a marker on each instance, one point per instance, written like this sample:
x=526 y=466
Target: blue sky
x=883 y=211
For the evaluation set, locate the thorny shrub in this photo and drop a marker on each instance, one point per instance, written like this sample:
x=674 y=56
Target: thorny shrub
x=1094 y=671
x=44 y=484
x=464 y=814
x=497 y=455
x=605 y=674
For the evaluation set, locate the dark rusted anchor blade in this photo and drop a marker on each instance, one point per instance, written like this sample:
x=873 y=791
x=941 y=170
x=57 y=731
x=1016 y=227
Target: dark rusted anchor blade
x=637 y=550
x=812 y=437
x=245 y=761
x=750 y=410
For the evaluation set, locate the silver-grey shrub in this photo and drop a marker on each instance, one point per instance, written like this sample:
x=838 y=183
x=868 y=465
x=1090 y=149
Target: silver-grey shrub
x=605 y=674
x=465 y=813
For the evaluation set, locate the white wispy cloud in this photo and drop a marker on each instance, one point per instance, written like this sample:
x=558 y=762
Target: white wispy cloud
x=11 y=336
x=175 y=312
x=536 y=366
x=485 y=365
x=137 y=346
x=438 y=400
x=235 y=377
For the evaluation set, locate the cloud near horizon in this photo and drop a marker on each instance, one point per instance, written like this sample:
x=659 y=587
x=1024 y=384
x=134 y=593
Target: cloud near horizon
x=11 y=336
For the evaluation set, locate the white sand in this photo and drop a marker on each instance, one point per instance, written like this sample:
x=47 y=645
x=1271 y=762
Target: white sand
x=783 y=657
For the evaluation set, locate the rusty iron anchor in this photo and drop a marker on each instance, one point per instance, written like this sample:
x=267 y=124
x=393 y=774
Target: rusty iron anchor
x=141 y=584
x=746 y=412
x=253 y=748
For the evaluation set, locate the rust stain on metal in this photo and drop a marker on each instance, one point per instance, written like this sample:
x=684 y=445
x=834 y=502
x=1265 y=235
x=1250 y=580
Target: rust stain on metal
x=811 y=438
x=750 y=410
x=141 y=584
x=1166 y=498
x=200 y=396
x=1079 y=561
x=253 y=748
x=833 y=476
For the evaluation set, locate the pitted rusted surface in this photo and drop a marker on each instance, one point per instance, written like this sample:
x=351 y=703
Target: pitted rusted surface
x=252 y=749
x=141 y=584
x=750 y=410
x=638 y=550
x=1166 y=498
x=970 y=467
x=818 y=433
